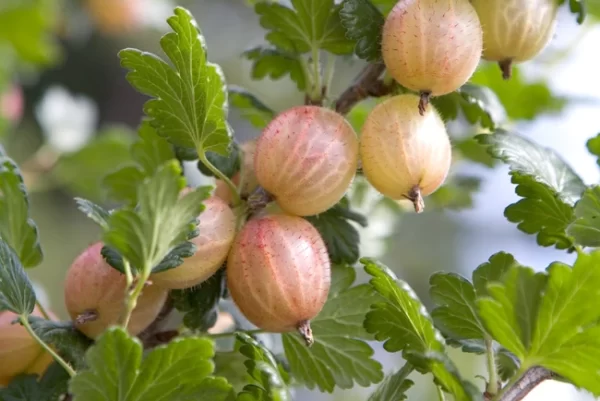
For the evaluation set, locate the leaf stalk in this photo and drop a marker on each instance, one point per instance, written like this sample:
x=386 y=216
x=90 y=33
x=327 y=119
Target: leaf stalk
x=219 y=174
x=492 y=385
x=25 y=322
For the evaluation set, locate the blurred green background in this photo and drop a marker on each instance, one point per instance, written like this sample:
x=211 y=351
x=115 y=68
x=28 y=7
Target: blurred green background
x=75 y=93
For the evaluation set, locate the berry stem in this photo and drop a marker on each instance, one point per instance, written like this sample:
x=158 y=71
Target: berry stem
x=219 y=174
x=25 y=322
x=415 y=197
x=306 y=332
x=506 y=68
x=424 y=101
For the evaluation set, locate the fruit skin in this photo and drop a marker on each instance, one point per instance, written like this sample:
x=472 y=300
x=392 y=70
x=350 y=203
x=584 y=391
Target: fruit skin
x=515 y=30
x=93 y=285
x=19 y=352
x=217 y=231
x=306 y=158
x=432 y=46
x=278 y=272
x=404 y=154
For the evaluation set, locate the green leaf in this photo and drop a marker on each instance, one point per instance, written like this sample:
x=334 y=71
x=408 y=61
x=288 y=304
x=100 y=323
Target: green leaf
x=394 y=386
x=456 y=193
x=341 y=237
x=402 y=322
x=363 y=23
x=189 y=107
x=27 y=27
x=446 y=374
x=162 y=220
x=586 y=228
x=176 y=372
x=456 y=313
x=492 y=271
x=199 y=303
x=275 y=64
x=540 y=316
x=82 y=172
x=510 y=312
x=93 y=211
x=269 y=380
x=148 y=153
x=228 y=165
x=566 y=337
x=528 y=158
x=338 y=357
x=250 y=107
x=230 y=365
x=16 y=291
x=593 y=146
x=522 y=100
x=173 y=259
x=309 y=24
x=16 y=227
x=69 y=342
x=122 y=184
x=472 y=150
x=385 y=5
x=577 y=7
x=478 y=104
x=548 y=185
x=50 y=387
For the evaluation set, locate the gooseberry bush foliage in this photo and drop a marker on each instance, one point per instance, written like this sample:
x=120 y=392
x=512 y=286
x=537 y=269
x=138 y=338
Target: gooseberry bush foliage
x=279 y=235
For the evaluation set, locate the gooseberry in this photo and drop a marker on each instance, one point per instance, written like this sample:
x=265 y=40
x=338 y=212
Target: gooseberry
x=19 y=352
x=306 y=159
x=405 y=154
x=278 y=273
x=95 y=296
x=431 y=46
x=515 y=30
x=217 y=231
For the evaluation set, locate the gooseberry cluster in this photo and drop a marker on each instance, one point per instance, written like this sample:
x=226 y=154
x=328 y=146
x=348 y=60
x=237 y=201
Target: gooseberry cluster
x=304 y=161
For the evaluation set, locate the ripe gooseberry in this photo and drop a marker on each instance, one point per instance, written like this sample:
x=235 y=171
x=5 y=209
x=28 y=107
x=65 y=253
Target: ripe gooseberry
x=278 y=273
x=19 y=352
x=217 y=231
x=515 y=30
x=431 y=46
x=95 y=295
x=306 y=158
x=405 y=154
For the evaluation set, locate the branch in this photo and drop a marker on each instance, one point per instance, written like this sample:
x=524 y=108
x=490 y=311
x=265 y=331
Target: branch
x=367 y=84
x=527 y=382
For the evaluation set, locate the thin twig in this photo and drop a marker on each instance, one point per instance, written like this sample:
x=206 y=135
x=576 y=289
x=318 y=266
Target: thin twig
x=366 y=84
x=524 y=384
